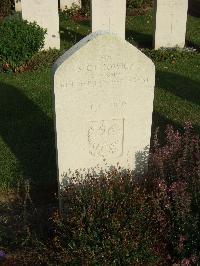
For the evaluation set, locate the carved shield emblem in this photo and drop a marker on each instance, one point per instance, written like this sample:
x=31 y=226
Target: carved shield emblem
x=105 y=138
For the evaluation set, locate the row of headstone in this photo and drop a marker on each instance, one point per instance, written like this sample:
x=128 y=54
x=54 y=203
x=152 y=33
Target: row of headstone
x=103 y=87
x=63 y=4
x=109 y=15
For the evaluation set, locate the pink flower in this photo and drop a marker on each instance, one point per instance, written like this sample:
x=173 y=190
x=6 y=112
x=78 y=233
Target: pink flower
x=185 y=262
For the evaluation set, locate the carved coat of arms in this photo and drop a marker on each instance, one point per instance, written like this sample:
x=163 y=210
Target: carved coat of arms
x=105 y=138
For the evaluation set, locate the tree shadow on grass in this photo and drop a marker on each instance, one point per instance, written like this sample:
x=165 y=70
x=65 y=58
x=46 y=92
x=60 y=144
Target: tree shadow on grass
x=193 y=45
x=181 y=86
x=29 y=134
x=159 y=121
x=194 y=8
x=70 y=35
x=142 y=40
x=86 y=22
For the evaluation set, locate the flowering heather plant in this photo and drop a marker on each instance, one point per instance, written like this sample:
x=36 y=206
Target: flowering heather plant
x=118 y=219
x=2 y=255
x=174 y=174
x=107 y=221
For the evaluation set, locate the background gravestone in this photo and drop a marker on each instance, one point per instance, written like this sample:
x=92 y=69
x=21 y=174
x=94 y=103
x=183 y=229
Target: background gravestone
x=68 y=3
x=18 y=7
x=109 y=16
x=45 y=14
x=170 y=23
x=103 y=95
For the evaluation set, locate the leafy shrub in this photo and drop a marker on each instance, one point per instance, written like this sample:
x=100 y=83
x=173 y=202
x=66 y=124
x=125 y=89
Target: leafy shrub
x=77 y=13
x=169 y=54
x=43 y=59
x=20 y=40
x=85 y=9
x=116 y=219
x=174 y=177
x=105 y=222
x=138 y=3
x=5 y=8
x=70 y=12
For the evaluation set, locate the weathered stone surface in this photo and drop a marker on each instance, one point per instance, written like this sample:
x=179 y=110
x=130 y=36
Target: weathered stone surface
x=109 y=15
x=69 y=3
x=170 y=23
x=45 y=14
x=103 y=96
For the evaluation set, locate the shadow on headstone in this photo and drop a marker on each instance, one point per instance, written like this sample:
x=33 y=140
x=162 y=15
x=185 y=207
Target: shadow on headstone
x=29 y=134
x=85 y=22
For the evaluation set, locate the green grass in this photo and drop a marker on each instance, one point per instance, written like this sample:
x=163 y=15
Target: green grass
x=26 y=126
x=27 y=147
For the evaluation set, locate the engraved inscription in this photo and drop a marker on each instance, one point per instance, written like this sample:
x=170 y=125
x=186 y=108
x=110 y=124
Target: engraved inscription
x=105 y=138
x=172 y=3
x=116 y=104
x=104 y=74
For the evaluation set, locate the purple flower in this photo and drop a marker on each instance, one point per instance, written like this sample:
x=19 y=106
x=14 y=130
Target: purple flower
x=2 y=255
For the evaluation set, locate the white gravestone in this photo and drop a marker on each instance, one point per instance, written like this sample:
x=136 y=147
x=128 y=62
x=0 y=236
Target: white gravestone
x=170 y=23
x=18 y=7
x=109 y=15
x=103 y=96
x=45 y=14
x=69 y=3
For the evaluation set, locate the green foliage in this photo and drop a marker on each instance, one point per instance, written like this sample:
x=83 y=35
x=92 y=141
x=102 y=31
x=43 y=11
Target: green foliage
x=76 y=12
x=70 y=12
x=138 y=3
x=20 y=40
x=130 y=3
x=172 y=196
x=43 y=59
x=175 y=181
x=170 y=54
x=115 y=218
x=105 y=222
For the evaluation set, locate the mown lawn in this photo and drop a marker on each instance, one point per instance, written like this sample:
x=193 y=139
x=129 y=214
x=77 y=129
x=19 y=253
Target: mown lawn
x=27 y=147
